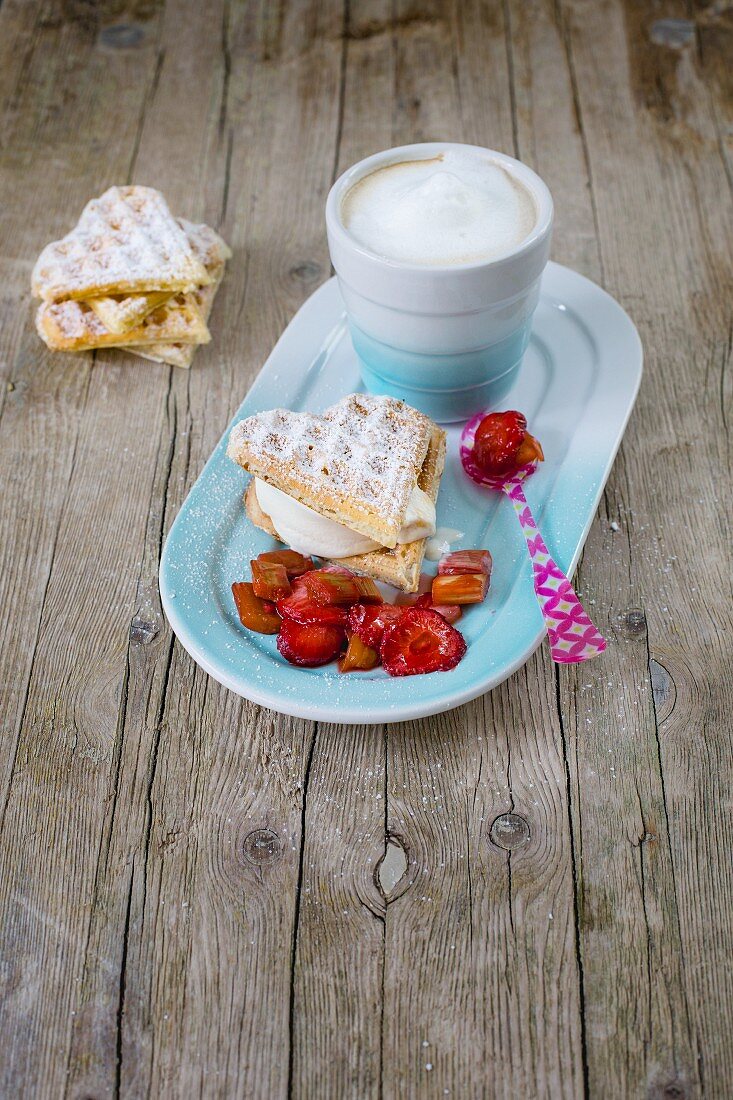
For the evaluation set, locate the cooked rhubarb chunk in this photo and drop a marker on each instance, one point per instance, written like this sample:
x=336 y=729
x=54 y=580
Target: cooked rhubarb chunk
x=465 y=561
x=460 y=589
x=270 y=580
x=254 y=613
x=358 y=657
x=450 y=612
x=368 y=591
x=294 y=563
x=330 y=589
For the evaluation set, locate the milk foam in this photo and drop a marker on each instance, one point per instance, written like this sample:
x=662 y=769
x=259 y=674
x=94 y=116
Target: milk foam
x=459 y=207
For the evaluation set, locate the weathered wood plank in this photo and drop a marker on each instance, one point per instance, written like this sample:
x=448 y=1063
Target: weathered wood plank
x=67 y=623
x=657 y=1016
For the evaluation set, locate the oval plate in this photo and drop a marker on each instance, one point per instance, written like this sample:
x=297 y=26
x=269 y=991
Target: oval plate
x=577 y=388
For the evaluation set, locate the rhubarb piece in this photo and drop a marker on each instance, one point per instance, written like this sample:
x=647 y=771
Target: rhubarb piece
x=330 y=589
x=270 y=580
x=465 y=561
x=254 y=613
x=368 y=621
x=358 y=657
x=309 y=644
x=450 y=612
x=368 y=591
x=460 y=589
x=294 y=563
x=420 y=641
x=339 y=570
x=530 y=451
x=302 y=609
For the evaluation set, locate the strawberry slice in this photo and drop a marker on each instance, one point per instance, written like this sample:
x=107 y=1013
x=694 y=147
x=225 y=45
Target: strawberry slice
x=498 y=439
x=254 y=613
x=460 y=589
x=294 y=563
x=330 y=589
x=368 y=621
x=300 y=608
x=358 y=657
x=465 y=561
x=270 y=580
x=450 y=612
x=309 y=644
x=421 y=641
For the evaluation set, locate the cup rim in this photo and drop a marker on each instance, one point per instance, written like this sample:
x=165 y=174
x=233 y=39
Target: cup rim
x=424 y=151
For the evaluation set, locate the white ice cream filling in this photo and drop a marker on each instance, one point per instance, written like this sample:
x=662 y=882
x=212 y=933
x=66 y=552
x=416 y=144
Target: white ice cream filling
x=308 y=532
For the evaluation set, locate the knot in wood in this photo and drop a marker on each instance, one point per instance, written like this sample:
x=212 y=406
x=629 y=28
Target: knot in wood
x=142 y=630
x=674 y=33
x=509 y=831
x=307 y=271
x=633 y=622
x=668 y=1088
x=122 y=36
x=261 y=847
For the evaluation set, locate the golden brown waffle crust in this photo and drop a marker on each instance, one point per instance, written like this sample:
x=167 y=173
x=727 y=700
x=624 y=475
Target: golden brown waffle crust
x=399 y=566
x=356 y=463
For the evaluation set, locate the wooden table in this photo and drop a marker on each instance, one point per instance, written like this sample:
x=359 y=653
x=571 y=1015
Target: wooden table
x=193 y=899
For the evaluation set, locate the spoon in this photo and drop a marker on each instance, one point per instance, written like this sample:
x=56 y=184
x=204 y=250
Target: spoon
x=571 y=634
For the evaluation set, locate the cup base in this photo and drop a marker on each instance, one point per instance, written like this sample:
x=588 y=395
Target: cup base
x=423 y=381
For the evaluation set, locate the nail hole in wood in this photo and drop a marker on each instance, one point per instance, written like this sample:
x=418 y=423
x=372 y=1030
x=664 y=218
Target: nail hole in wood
x=391 y=868
x=509 y=831
x=668 y=1089
x=142 y=630
x=261 y=847
x=122 y=36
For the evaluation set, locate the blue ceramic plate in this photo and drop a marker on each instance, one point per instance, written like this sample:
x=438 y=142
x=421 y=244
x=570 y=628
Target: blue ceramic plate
x=577 y=387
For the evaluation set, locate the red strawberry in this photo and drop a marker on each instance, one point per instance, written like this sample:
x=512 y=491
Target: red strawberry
x=294 y=563
x=309 y=644
x=254 y=613
x=465 y=561
x=368 y=621
x=300 y=608
x=421 y=641
x=498 y=439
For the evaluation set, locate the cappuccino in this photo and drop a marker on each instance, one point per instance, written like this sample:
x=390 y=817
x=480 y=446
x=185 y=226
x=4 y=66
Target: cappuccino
x=455 y=208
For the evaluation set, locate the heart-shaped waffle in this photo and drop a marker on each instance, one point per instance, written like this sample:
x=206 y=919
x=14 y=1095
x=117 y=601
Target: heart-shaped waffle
x=357 y=463
x=125 y=242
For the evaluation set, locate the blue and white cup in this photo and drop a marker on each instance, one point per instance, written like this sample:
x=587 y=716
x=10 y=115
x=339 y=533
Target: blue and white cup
x=447 y=339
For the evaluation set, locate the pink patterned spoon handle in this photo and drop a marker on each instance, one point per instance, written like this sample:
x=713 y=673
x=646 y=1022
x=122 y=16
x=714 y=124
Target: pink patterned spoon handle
x=571 y=634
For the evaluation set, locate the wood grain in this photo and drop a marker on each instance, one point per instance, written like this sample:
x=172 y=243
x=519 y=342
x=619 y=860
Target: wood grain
x=528 y=896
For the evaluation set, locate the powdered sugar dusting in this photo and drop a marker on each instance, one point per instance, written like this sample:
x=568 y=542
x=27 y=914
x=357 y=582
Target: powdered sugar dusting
x=364 y=450
x=127 y=239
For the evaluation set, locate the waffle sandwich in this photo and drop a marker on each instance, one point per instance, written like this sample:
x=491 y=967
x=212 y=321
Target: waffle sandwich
x=357 y=465
x=130 y=275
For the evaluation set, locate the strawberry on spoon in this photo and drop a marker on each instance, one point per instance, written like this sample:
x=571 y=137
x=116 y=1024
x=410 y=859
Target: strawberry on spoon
x=498 y=452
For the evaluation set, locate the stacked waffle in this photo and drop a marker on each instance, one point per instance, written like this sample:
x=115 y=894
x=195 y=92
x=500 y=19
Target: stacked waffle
x=130 y=275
